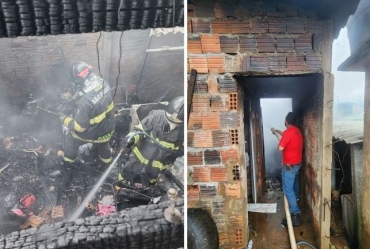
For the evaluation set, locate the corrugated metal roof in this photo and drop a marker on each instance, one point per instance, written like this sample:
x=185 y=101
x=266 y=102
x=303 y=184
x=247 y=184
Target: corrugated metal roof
x=351 y=130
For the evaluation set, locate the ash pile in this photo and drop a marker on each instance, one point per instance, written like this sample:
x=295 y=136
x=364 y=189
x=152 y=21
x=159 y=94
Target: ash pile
x=34 y=186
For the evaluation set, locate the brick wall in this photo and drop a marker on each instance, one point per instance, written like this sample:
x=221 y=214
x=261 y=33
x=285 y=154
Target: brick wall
x=33 y=65
x=312 y=161
x=225 y=40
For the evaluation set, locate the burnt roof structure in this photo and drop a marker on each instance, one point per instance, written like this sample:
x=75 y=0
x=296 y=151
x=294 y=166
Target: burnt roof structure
x=42 y=17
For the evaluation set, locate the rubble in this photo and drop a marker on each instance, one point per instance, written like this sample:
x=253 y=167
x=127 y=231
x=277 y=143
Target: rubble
x=32 y=166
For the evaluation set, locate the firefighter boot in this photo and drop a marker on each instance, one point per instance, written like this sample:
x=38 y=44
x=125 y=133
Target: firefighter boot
x=296 y=220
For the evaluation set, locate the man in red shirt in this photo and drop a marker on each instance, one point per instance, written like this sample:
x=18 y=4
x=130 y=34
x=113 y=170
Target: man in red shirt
x=291 y=144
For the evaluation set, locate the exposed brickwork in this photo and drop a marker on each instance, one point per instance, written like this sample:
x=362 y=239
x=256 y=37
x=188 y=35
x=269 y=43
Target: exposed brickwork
x=194 y=45
x=212 y=157
x=231 y=155
x=203 y=139
x=229 y=120
x=220 y=138
x=218 y=174
x=190 y=139
x=202 y=174
x=220 y=27
x=239 y=38
x=210 y=43
x=211 y=121
x=195 y=121
x=229 y=44
x=193 y=192
x=219 y=103
x=207 y=191
x=195 y=158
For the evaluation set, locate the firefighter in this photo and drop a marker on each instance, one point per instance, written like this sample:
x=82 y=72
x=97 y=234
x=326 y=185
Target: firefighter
x=155 y=143
x=93 y=118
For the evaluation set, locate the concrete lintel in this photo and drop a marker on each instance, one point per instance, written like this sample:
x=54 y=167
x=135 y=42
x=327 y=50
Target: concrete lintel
x=358 y=61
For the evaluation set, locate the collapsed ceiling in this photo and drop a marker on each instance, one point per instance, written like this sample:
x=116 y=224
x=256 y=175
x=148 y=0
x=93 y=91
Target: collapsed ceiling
x=41 y=17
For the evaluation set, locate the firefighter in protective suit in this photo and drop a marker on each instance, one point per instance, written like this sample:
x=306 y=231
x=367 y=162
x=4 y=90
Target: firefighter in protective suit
x=93 y=119
x=156 y=143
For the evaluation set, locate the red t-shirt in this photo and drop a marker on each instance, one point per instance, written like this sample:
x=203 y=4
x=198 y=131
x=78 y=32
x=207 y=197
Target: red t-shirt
x=292 y=142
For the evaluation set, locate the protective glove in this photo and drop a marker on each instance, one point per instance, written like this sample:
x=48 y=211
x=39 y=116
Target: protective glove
x=62 y=116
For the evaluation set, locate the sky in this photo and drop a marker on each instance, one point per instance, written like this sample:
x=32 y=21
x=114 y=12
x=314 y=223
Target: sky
x=348 y=86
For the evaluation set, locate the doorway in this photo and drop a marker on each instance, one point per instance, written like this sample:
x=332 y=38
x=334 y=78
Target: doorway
x=273 y=111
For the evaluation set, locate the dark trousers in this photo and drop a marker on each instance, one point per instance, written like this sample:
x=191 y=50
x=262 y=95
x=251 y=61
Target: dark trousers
x=71 y=149
x=133 y=168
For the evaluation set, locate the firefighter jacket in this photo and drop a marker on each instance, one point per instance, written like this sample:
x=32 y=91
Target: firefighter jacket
x=152 y=156
x=93 y=119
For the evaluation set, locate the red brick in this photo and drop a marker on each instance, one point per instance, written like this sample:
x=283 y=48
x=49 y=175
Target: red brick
x=239 y=27
x=277 y=25
x=220 y=27
x=248 y=44
x=199 y=26
x=193 y=192
x=210 y=43
x=259 y=27
x=296 y=63
x=194 y=46
x=303 y=43
x=200 y=103
x=203 y=139
x=211 y=121
x=231 y=155
x=220 y=138
x=212 y=156
x=202 y=174
x=295 y=26
x=195 y=121
x=219 y=104
x=200 y=64
x=266 y=44
x=277 y=62
x=195 y=158
x=229 y=44
x=190 y=139
x=216 y=64
x=218 y=174
x=259 y=63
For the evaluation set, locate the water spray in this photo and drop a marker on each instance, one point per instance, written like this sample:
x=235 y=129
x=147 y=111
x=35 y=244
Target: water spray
x=93 y=191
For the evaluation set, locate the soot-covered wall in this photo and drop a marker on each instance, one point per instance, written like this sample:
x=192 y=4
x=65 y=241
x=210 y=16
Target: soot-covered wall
x=33 y=66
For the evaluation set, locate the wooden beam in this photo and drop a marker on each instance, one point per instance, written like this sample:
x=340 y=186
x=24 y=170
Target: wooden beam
x=191 y=86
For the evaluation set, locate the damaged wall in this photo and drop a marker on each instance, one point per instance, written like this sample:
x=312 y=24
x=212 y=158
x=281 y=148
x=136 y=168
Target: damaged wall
x=34 y=66
x=312 y=162
x=140 y=227
x=225 y=40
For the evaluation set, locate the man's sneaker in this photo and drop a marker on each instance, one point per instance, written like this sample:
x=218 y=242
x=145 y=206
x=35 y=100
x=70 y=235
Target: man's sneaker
x=296 y=220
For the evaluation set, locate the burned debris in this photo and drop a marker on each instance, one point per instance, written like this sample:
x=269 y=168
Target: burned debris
x=36 y=188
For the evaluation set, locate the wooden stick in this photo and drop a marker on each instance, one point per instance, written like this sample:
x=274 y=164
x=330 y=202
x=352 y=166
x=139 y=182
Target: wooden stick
x=293 y=243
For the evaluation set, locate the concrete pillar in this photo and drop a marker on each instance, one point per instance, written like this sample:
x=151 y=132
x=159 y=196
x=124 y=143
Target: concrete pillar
x=366 y=173
x=357 y=188
x=327 y=134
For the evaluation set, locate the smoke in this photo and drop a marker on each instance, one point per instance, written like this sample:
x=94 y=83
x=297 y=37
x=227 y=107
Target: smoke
x=273 y=116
